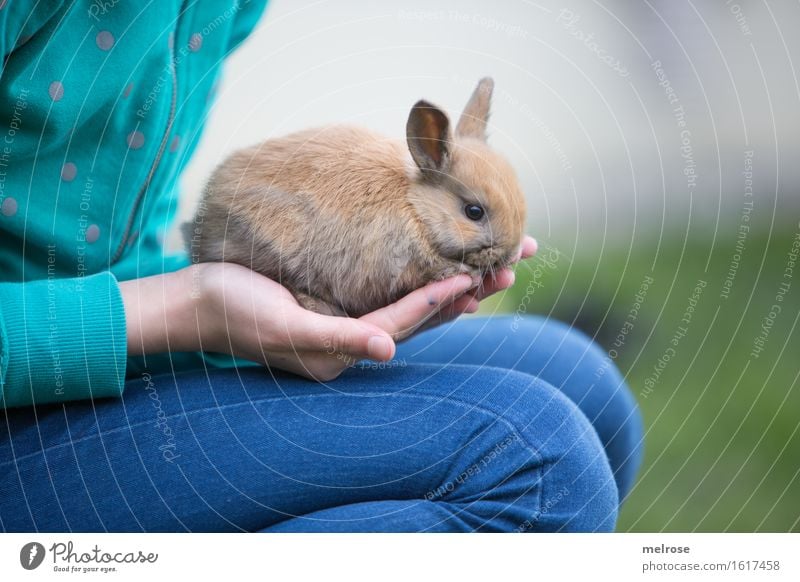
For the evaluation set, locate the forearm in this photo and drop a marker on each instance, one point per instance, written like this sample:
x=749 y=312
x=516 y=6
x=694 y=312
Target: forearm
x=161 y=313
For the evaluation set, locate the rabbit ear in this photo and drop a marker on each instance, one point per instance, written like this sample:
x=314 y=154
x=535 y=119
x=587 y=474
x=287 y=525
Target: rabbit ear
x=476 y=114
x=428 y=136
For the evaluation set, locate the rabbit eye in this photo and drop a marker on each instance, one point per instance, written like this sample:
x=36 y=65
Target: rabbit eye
x=474 y=211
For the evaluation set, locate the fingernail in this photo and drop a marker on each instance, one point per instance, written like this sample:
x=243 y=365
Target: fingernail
x=512 y=276
x=379 y=348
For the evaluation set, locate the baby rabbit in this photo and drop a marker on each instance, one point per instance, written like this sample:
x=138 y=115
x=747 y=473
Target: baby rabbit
x=349 y=222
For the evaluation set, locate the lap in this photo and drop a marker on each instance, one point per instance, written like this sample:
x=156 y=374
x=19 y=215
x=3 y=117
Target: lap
x=246 y=449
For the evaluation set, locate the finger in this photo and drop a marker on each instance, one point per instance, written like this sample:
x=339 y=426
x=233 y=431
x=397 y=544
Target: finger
x=402 y=317
x=529 y=247
x=464 y=304
x=340 y=335
x=503 y=279
x=469 y=302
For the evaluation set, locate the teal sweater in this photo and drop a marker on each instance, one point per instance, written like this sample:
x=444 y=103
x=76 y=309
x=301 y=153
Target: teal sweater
x=101 y=106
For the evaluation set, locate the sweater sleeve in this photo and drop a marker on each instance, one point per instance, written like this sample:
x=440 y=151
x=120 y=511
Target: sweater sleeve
x=61 y=340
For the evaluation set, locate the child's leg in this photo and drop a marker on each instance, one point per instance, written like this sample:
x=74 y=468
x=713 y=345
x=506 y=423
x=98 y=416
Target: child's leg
x=563 y=357
x=405 y=449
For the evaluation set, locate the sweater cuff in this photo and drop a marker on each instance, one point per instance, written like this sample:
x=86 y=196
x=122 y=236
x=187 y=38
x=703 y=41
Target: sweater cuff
x=61 y=340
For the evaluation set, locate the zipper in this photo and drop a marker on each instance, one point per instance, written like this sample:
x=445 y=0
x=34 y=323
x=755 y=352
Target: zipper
x=161 y=149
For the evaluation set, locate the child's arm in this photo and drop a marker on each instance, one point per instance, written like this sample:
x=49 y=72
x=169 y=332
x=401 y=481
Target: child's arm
x=61 y=339
x=223 y=307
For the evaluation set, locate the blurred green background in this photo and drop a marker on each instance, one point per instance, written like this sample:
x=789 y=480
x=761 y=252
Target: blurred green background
x=722 y=442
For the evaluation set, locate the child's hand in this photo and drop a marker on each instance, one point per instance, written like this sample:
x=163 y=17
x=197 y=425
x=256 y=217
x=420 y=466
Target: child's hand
x=240 y=312
x=469 y=302
x=224 y=307
x=248 y=315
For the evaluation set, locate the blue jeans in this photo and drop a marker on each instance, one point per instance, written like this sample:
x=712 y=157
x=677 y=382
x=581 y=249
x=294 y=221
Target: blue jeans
x=481 y=425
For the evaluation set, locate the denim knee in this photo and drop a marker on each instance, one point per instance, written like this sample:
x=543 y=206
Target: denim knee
x=534 y=462
x=568 y=358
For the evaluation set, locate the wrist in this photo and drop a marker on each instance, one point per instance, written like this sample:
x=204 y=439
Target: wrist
x=197 y=311
x=160 y=314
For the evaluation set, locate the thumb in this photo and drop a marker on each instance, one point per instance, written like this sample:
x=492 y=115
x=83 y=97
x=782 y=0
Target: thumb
x=344 y=335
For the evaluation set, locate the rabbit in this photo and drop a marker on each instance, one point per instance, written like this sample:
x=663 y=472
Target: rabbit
x=350 y=221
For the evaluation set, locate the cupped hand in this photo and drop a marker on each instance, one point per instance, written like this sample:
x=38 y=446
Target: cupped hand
x=240 y=312
x=245 y=314
x=491 y=284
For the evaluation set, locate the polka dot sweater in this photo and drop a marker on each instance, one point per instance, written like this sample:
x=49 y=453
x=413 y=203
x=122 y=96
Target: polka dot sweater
x=101 y=106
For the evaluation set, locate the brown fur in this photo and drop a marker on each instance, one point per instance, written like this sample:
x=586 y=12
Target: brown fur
x=346 y=220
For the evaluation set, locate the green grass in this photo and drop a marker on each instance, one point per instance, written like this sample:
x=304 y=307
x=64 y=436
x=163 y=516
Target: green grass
x=722 y=444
